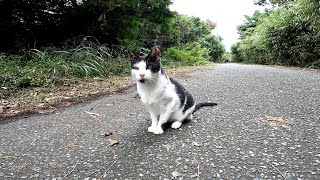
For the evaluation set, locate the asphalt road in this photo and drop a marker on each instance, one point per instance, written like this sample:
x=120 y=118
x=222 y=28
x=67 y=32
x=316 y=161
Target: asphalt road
x=266 y=126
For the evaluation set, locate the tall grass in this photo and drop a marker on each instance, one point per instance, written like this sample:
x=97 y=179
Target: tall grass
x=43 y=68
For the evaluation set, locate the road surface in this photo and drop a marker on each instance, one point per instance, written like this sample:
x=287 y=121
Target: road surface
x=266 y=126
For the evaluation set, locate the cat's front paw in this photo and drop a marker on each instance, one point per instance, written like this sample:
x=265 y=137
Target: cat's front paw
x=176 y=125
x=158 y=130
x=152 y=129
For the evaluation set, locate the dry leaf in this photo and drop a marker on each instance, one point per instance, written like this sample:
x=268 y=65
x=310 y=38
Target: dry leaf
x=67 y=104
x=277 y=121
x=196 y=144
x=113 y=142
x=176 y=174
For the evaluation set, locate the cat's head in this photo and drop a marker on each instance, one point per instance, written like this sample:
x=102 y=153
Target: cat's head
x=145 y=68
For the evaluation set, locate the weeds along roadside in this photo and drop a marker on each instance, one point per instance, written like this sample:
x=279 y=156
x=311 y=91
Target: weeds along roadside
x=47 y=67
x=88 y=60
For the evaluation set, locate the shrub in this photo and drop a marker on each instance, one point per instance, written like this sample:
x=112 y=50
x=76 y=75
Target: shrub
x=186 y=55
x=286 y=36
x=215 y=48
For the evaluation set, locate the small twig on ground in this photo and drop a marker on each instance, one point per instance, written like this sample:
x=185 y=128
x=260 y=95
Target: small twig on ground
x=94 y=172
x=198 y=171
x=34 y=141
x=72 y=169
x=109 y=167
x=93 y=114
x=6 y=157
x=277 y=170
x=222 y=136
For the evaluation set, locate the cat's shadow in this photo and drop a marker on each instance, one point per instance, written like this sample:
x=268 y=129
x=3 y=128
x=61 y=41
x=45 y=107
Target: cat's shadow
x=168 y=124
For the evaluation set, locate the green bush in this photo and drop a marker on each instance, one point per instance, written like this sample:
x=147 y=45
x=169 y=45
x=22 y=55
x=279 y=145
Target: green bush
x=287 y=35
x=215 y=48
x=186 y=55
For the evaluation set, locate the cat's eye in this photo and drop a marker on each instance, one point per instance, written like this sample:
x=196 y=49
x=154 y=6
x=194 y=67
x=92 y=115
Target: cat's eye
x=135 y=68
x=149 y=66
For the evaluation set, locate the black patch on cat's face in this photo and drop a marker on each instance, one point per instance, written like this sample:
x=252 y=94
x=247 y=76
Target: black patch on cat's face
x=152 y=64
x=152 y=60
x=135 y=58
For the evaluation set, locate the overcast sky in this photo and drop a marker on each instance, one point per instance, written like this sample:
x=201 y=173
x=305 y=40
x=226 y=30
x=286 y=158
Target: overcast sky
x=226 y=13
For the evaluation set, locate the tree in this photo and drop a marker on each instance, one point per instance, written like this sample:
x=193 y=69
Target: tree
x=189 y=29
x=215 y=47
x=285 y=35
x=29 y=24
x=251 y=22
x=272 y=2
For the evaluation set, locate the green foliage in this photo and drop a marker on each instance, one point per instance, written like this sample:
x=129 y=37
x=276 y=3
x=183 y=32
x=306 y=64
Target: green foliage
x=287 y=36
x=235 y=53
x=272 y=2
x=251 y=22
x=49 y=66
x=186 y=55
x=215 y=47
x=186 y=29
x=34 y=24
x=191 y=30
x=226 y=57
x=37 y=36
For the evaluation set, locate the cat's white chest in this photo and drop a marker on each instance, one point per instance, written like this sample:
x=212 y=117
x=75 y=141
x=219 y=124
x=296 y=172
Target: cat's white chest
x=157 y=93
x=151 y=94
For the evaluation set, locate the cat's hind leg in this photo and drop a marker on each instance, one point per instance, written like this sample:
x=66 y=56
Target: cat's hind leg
x=189 y=118
x=177 y=124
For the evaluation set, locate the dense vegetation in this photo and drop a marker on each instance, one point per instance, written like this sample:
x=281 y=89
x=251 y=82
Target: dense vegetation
x=287 y=34
x=44 y=41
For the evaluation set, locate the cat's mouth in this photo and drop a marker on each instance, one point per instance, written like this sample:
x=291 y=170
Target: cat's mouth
x=142 y=81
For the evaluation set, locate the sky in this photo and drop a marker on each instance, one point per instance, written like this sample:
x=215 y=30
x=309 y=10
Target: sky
x=228 y=14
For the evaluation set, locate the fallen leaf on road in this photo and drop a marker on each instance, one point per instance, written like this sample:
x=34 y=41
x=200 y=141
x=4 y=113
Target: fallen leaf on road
x=176 y=174
x=196 y=144
x=278 y=121
x=113 y=142
x=67 y=104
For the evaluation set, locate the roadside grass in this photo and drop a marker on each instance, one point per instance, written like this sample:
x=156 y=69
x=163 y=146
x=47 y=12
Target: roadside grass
x=39 y=80
x=51 y=67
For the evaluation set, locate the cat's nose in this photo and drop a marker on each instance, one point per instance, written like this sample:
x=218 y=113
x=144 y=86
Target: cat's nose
x=142 y=75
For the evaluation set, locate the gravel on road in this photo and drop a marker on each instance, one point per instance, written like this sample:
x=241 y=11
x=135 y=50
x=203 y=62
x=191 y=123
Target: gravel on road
x=266 y=126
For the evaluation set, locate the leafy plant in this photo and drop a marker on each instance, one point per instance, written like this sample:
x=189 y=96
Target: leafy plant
x=187 y=55
x=287 y=35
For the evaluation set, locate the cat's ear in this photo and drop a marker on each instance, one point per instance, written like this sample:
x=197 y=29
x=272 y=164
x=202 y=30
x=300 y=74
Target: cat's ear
x=133 y=55
x=155 y=53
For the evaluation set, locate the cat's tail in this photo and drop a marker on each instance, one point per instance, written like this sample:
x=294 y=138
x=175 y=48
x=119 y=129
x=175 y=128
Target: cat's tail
x=202 y=104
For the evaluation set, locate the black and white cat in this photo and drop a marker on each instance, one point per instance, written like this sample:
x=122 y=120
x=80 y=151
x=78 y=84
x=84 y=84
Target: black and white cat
x=165 y=98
